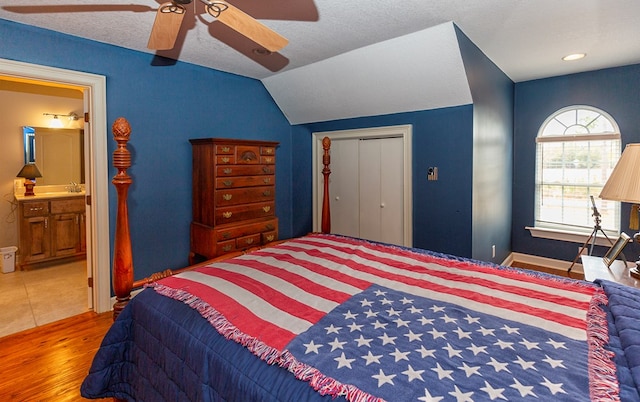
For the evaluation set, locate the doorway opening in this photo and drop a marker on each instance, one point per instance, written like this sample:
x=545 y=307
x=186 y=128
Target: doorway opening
x=94 y=90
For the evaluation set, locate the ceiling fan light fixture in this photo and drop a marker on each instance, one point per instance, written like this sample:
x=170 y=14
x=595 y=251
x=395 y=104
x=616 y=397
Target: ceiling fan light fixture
x=574 y=56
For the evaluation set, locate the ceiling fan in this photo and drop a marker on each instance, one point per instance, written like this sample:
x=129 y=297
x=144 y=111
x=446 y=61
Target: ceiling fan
x=170 y=15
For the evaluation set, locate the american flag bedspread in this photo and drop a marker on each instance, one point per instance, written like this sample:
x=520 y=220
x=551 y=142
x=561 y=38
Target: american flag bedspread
x=374 y=322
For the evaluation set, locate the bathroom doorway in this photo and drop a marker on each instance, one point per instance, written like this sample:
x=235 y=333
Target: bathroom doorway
x=95 y=128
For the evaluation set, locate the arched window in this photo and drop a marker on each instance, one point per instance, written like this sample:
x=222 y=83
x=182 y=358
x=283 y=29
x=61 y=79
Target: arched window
x=577 y=148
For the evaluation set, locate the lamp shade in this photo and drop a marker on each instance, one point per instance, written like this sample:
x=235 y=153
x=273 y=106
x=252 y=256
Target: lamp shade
x=29 y=171
x=624 y=182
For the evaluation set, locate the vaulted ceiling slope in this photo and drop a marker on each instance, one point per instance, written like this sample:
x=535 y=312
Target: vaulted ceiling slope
x=418 y=71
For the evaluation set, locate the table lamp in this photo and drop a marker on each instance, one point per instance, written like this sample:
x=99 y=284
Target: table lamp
x=29 y=172
x=624 y=185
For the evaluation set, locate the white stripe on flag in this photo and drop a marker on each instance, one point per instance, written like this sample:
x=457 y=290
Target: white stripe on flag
x=250 y=301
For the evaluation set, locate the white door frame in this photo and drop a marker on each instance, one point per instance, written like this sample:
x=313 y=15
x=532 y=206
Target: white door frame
x=95 y=86
x=405 y=131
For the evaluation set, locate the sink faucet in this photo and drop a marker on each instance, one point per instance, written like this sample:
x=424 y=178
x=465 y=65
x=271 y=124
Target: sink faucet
x=74 y=187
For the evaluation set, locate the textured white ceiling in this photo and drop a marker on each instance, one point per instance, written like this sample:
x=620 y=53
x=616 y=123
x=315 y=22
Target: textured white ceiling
x=525 y=39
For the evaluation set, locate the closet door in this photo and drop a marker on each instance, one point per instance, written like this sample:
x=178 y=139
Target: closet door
x=381 y=183
x=343 y=188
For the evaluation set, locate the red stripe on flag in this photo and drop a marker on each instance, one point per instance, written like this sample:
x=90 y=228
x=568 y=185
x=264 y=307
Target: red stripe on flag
x=241 y=317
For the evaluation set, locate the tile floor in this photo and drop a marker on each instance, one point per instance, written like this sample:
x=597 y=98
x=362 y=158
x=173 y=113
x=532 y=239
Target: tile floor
x=42 y=295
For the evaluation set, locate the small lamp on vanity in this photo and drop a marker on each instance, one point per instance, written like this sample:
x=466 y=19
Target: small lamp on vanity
x=29 y=172
x=624 y=185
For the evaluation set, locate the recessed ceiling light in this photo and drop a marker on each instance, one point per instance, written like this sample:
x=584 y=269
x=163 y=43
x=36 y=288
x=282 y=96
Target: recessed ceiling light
x=574 y=56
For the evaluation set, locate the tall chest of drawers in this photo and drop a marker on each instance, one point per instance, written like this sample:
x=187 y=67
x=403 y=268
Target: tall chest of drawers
x=233 y=196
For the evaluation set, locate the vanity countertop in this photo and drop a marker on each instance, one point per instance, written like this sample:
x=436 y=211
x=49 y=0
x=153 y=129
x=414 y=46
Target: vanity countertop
x=49 y=195
x=47 y=192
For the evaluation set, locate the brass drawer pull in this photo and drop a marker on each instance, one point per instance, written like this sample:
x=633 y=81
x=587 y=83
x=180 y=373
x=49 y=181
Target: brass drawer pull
x=266 y=193
x=228 y=247
x=269 y=226
x=267 y=180
x=227 y=197
x=266 y=208
x=270 y=237
x=249 y=241
x=226 y=235
x=226 y=149
x=266 y=170
x=268 y=159
x=225 y=160
x=227 y=215
x=268 y=151
x=228 y=183
x=227 y=171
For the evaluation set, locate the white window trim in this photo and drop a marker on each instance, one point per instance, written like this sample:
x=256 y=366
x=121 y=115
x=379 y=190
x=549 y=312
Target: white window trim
x=574 y=237
x=555 y=233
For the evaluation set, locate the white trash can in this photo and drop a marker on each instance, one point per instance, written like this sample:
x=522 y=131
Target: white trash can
x=8 y=258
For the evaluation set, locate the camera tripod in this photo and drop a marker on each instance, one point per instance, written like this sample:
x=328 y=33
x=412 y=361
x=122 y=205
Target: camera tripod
x=592 y=237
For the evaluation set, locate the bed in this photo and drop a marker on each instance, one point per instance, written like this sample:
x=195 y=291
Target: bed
x=330 y=317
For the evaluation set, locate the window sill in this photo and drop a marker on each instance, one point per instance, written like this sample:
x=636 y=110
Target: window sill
x=575 y=237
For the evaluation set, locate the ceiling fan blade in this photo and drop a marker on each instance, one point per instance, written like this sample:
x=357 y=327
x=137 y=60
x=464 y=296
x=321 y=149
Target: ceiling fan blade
x=248 y=26
x=166 y=26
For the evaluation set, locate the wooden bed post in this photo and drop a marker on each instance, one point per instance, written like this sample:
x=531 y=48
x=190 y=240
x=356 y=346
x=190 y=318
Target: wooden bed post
x=122 y=257
x=326 y=171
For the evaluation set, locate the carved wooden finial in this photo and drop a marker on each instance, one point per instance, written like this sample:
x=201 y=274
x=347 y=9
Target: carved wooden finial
x=121 y=157
x=326 y=171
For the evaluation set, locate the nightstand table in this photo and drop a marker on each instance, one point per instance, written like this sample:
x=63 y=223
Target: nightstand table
x=594 y=268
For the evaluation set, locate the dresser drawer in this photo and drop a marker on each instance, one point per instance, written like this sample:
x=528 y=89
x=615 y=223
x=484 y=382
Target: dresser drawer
x=237 y=213
x=245 y=181
x=248 y=241
x=247 y=155
x=268 y=160
x=244 y=195
x=225 y=159
x=268 y=237
x=244 y=170
x=225 y=149
x=35 y=208
x=233 y=231
x=269 y=151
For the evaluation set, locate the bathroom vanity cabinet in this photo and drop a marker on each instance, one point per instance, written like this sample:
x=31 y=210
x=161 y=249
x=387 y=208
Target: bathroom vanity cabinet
x=51 y=229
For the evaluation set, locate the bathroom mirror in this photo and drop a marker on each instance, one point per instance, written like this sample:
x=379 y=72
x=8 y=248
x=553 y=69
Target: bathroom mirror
x=58 y=153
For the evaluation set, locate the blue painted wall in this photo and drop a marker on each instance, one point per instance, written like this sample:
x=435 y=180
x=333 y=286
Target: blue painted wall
x=614 y=90
x=492 y=94
x=165 y=106
x=441 y=209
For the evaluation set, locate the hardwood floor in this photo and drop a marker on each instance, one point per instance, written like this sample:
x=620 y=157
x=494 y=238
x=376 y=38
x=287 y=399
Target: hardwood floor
x=48 y=363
